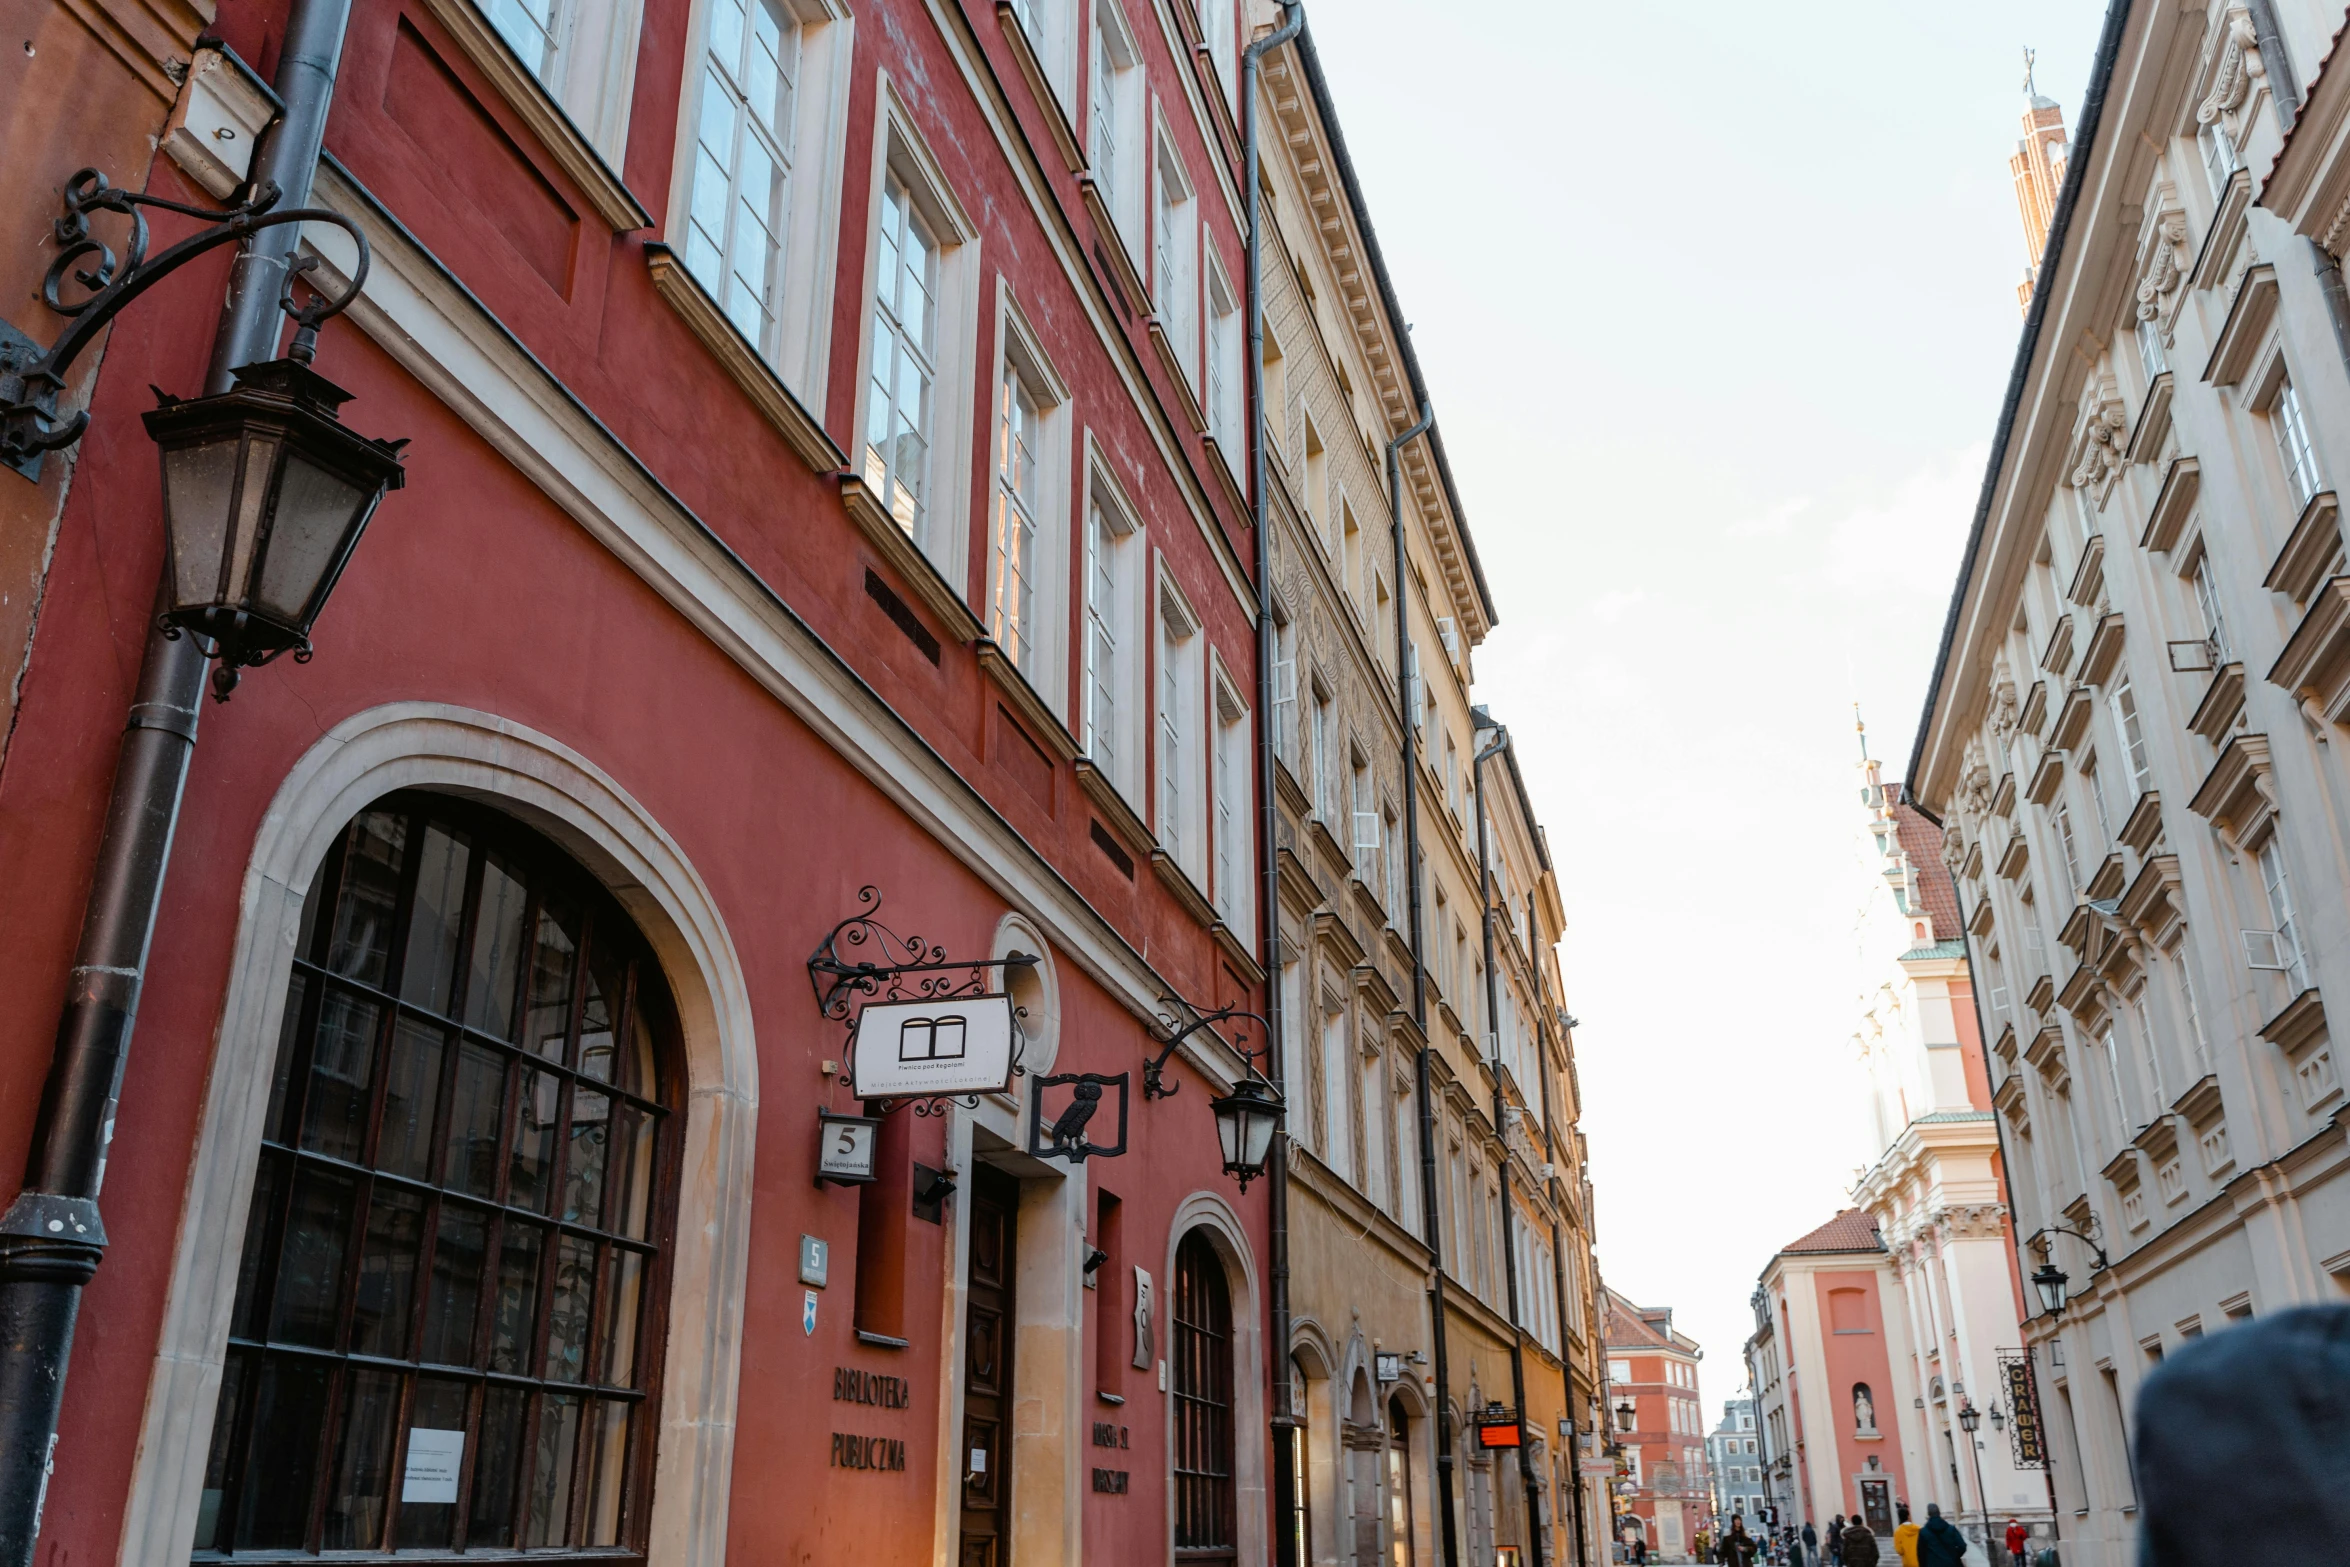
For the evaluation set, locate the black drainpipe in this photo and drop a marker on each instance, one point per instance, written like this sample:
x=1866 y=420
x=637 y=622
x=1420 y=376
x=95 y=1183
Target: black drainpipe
x=1284 y=1421
x=1431 y=1202
x=51 y=1239
x=1509 y=1239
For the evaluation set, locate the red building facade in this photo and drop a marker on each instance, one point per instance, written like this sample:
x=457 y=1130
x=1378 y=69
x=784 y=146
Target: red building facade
x=1663 y=1486
x=825 y=474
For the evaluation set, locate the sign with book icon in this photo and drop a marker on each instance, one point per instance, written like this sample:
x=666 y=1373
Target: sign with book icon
x=933 y=1046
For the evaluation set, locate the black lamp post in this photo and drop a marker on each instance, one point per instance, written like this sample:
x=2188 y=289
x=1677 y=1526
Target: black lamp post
x=1970 y=1419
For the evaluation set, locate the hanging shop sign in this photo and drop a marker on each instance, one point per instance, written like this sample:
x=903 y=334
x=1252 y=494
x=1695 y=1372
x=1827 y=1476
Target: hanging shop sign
x=1390 y=1367
x=845 y=1146
x=1498 y=1427
x=923 y=1028
x=1078 y=1129
x=2027 y=1438
x=929 y=1049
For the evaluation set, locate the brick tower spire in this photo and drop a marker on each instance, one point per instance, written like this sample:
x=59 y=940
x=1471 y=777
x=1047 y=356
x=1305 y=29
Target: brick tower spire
x=2038 y=168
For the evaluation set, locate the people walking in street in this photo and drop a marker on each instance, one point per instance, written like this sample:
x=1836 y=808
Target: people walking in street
x=1905 y=1538
x=1811 y=1544
x=1939 y=1543
x=1738 y=1547
x=2019 y=1540
x=1858 y=1545
x=1836 y=1542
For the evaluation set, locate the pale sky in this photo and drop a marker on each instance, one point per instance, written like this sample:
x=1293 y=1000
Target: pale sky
x=1716 y=304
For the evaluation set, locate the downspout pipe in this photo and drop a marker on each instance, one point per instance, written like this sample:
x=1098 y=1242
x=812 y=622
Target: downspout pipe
x=1407 y=678
x=1284 y=1421
x=51 y=1238
x=1492 y=748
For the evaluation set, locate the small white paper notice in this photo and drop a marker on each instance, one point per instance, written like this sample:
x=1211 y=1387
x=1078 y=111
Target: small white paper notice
x=433 y=1460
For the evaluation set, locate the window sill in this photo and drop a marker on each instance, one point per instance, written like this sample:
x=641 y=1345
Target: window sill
x=1025 y=701
x=1236 y=952
x=528 y=97
x=1048 y=99
x=1120 y=259
x=881 y=530
x=736 y=355
x=1177 y=374
x=1178 y=881
x=1228 y=478
x=883 y=1340
x=1116 y=814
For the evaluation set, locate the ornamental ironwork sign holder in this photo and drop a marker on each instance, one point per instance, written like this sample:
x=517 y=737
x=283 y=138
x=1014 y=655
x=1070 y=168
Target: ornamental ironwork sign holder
x=1154 y=1078
x=2027 y=1440
x=862 y=958
x=32 y=378
x=1066 y=1138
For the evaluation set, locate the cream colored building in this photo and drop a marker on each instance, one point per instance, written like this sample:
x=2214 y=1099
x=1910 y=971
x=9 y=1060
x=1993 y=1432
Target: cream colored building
x=1934 y=1183
x=1341 y=385
x=2133 y=734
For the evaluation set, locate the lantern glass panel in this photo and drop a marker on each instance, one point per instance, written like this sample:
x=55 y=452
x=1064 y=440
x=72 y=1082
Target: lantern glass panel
x=1258 y=1119
x=315 y=510
x=252 y=503
x=1228 y=1116
x=199 y=487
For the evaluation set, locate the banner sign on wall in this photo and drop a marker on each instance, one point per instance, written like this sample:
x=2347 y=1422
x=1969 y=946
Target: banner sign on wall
x=2027 y=1438
x=933 y=1047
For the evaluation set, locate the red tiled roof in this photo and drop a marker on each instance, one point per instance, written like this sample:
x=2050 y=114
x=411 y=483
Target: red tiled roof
x=1855 y=1229
x=1922 y=840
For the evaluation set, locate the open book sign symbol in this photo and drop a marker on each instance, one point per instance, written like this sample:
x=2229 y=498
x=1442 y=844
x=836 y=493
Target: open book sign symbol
x=931 y=1039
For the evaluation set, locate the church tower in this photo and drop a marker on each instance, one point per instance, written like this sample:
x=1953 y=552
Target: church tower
x=2038 y=168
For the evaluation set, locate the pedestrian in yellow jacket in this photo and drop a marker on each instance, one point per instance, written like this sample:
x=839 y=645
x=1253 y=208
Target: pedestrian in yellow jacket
x=1905 y=1540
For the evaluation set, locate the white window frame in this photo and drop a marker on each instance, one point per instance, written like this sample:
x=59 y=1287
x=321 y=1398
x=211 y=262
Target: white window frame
x=1219 y=28
x=1234 y=793
x=1042 y=652
x=583 y=52
x=2132 y=730
x=2278 y=888
x=942 y=532
x=1227 y=365
x=1175 y=247
x=2289 y=424
x=1052 y=36
x=1179 y=764
x=1115 y=121
x=798 y=345
x=1114 y=544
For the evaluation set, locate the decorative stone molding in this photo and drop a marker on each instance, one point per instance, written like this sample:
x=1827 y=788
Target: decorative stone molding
x=2100 y=446
x=2240 y=68
x=2164 y=266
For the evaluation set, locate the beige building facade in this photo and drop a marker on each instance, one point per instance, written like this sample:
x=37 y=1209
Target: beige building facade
x=1393 y=1049
x=2134 y=734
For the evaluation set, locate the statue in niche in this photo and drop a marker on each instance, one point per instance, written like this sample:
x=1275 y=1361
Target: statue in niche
x=1864 y=1410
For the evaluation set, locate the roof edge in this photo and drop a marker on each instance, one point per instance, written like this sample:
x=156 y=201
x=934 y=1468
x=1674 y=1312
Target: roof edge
x=2076 y=175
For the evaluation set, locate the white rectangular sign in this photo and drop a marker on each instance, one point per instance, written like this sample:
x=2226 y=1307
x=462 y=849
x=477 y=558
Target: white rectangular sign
x=912 y=1049
x=433 y=1461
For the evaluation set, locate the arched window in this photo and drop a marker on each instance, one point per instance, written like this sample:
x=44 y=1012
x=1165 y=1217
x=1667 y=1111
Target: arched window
x=447 y=1321
x=1205 y=1517
x=1399 y=1486
x=1301 y=1507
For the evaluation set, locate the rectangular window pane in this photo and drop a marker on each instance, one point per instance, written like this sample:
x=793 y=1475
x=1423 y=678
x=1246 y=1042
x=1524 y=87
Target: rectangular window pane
x=224 y=1427
x=342 y=1069
x=412 y=1089
x=567 y=1309
x=583 y=1167
x=247 y=1319
x=439 y=1408
x=497 y=952
x=428 y=970
x=514 y=1313
x=455 y=1292
x=607 y=1470
x=632 y=1172
x=497 y=1467
x=310 y=1272
x=551 y=1469
x=387 y=1272
x=530 y=1169
x=363 y=1466
x=554 y=951
x=616 y=1317
x=362 y=938
x=290 y=1032
x=281 y=1471
x=471 y=1164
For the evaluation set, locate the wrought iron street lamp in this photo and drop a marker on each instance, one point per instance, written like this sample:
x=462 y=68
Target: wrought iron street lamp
x=265 y=494
x=1971 y=1418
x=2050 y=1280
x=1246 y=1120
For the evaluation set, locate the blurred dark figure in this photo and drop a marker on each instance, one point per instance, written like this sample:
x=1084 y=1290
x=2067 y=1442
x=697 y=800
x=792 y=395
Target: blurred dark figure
x=2249 y=1424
